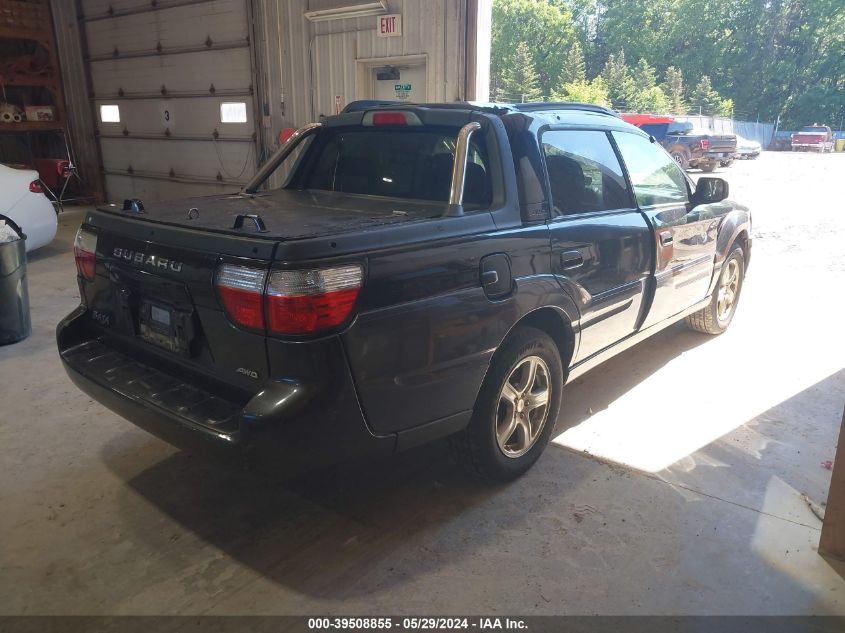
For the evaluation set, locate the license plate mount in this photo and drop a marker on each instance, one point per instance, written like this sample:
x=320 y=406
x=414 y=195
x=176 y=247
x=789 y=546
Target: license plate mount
x=165 y=326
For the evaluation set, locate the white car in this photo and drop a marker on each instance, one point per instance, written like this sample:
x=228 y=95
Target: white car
x=746 y=148
x=24 y=202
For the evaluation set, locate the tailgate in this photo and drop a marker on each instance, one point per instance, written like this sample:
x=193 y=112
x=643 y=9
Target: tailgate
x=722 y=143
x=153 y=293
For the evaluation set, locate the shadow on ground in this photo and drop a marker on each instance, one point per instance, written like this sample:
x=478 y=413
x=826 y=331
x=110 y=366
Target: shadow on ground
x=320 y=533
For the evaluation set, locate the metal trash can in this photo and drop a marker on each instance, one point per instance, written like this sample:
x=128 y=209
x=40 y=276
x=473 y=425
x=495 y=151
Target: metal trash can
x=15 y=324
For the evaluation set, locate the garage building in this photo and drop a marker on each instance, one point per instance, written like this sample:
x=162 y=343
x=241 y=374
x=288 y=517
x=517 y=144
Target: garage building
x=687 y=475
x=187 y=97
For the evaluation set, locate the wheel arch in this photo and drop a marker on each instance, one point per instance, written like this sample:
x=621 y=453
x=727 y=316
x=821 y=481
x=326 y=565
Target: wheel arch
x=733 y=230
x=555 y=323
x=742 y=240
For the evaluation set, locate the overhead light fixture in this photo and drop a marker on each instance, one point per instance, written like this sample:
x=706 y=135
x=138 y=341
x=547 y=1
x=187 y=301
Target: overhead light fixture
x=349 y=11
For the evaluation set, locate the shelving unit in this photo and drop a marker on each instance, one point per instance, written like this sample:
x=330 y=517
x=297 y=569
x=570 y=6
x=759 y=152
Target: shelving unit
x=27 y=24
x=32 y=126
x=30 y=75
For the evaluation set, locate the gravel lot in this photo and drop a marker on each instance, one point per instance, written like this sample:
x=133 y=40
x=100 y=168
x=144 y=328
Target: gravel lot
x=678 y=489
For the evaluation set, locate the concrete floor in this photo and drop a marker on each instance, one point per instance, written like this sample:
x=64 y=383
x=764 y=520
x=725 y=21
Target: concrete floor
x=693 y=505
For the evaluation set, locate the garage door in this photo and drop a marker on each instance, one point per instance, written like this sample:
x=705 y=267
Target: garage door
x=173 y=92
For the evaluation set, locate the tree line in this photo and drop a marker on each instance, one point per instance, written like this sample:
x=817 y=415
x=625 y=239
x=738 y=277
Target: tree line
x=748 y=59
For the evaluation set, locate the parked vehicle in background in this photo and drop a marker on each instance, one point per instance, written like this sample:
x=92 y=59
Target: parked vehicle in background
x=22 y=200
x=427 y=271
x=813 y=138
x=746 y=148
x=691 y=148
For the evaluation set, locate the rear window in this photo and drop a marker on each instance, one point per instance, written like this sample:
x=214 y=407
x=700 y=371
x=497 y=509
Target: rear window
x=680 y=127
x=814 y=130
x=397 y=163
x=657 y=130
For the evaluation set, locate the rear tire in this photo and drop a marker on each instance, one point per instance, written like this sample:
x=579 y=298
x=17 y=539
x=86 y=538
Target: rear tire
x=717 y=316
x=708 y=167
x=680 y=155
x=516 y=409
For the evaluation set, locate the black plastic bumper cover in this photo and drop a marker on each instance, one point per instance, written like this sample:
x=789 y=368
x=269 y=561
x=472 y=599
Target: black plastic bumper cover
x=293 y=425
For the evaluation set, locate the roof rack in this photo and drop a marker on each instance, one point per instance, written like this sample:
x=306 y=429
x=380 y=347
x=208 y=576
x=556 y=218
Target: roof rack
x=562 y=105
x=499 y=108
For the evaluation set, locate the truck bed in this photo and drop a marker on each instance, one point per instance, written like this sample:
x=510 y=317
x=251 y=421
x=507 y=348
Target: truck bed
x=286 y=214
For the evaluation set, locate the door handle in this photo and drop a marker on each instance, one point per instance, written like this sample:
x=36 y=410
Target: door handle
x=490 y=278
x=666 y=238
x=571 y=259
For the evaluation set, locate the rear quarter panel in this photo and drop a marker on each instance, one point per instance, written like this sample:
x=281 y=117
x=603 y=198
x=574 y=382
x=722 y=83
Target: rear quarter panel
x=426 y=331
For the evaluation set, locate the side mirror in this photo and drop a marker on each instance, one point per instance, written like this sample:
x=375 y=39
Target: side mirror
x=709 y=190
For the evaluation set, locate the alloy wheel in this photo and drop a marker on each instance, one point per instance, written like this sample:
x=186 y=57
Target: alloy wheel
x=728 y=290
x=523 y=406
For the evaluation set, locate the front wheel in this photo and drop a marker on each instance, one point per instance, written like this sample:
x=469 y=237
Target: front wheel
x=717 y=316
x=516 y=409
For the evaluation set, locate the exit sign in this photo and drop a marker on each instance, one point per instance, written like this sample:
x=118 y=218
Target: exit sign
x=389 y=25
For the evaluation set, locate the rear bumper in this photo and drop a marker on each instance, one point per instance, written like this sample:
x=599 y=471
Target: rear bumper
x=710 y=158
x=289 y=424
x=713 y=156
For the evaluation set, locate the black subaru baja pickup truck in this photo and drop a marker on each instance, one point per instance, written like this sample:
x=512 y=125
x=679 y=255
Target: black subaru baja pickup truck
x=426 y=271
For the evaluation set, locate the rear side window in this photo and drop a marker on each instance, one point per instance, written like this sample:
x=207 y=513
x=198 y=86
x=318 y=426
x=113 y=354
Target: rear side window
x=584 y=174
x=397 y=163
x=655 y=177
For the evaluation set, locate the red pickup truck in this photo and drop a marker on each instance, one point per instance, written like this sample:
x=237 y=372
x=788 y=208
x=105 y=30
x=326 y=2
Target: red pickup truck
x=816 y=137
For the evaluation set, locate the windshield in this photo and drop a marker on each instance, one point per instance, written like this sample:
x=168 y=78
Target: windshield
x=811 y=129
x=412 y=163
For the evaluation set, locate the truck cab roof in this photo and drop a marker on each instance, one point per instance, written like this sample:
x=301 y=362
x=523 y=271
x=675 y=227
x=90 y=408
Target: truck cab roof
x=544 y=113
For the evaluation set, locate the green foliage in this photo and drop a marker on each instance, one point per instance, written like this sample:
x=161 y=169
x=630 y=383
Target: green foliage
x=703 y=99
x=641 y=92
x=652 y=100
x=545 y=25
x=617 y=78
x=584 y=91
x=673 y=87
x=573 y=70
x=520 y=81
x=644 y=75
x=768 y=57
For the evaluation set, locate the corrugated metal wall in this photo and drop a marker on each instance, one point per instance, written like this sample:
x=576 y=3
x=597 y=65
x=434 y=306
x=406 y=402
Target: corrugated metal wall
x=158 y=62
x=319 y=60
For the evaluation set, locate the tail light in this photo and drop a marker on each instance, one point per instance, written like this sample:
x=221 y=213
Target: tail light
x=390 y=117
x=241 y=290
x=705 y=143
x=85 y=253
x=289 y=301
x=35 y=187
x=307 y=301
